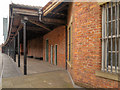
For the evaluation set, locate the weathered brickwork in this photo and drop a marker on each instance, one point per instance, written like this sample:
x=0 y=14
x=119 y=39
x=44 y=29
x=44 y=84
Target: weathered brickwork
x=35 y=47
x=86 y=46
x=57 y=36
x=87 y=50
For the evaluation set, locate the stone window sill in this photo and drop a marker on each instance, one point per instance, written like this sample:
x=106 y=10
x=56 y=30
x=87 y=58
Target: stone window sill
x=108 y=75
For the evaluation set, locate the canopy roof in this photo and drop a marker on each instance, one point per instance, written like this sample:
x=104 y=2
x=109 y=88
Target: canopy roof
x=40 y=20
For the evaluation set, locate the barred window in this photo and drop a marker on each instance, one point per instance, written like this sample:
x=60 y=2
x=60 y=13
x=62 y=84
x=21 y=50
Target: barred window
x=111 y=37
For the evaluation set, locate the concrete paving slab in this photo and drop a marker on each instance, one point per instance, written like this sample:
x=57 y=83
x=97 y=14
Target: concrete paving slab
x=40 y=75
x=36 y=66
x=1 y=66
x=9 y=67
x=55 y=79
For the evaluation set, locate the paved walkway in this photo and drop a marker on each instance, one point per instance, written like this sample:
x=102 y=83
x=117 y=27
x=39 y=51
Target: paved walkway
x=1 y=66
x=56 y=79
x=0 y=62
x=9 y=67
x=36 y=66
x=40 y=75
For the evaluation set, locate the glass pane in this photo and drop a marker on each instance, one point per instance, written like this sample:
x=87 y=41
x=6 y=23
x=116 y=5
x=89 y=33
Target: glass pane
x=113 y=60
x=109 y=40
x=117 y=44
x=119 y=10
x=109 y=59
x=109 y=14
x=109 y=29
x=113 y=28
x=114 y=13
x=106 y=13
x=106 y=30
x=113 y=44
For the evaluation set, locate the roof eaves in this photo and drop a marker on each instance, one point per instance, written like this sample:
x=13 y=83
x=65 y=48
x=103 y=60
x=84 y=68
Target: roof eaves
x=25 y=6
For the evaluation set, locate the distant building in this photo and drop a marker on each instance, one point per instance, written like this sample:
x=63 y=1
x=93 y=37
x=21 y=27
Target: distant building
x=0 y=48
x=5 y=28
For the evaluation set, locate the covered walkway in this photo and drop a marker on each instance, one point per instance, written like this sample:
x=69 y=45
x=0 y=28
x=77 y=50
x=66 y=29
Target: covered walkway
x=56 y=79
x=40 y=75
x=36 y=66
x=25 y=30
x=9 y=67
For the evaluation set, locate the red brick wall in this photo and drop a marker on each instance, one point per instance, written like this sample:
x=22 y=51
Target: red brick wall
x=35 y=47
x=87 y=46
x=21 y=49
x=57 y=36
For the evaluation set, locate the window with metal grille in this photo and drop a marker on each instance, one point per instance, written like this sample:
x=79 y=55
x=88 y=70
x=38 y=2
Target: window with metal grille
x=111 y=37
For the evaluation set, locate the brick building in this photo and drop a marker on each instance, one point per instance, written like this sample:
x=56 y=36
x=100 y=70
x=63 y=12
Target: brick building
x=81 y=37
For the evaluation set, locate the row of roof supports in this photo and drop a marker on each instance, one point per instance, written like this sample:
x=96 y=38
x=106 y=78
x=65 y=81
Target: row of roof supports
x=12 y=51
x=24 y=45
x=45 y=22
x=10 y=48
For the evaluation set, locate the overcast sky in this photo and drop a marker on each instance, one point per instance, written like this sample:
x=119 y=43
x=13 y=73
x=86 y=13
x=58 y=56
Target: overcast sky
x=4 y=10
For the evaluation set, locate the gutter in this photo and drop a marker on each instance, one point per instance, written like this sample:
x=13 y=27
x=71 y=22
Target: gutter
x=54 y=5
x=43 y=12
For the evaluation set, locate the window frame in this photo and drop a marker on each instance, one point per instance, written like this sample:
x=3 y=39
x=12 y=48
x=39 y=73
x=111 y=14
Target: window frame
x=106 y=37
x=51 y=54
x=47 y=51
x=69 y=41
x=55 y=54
